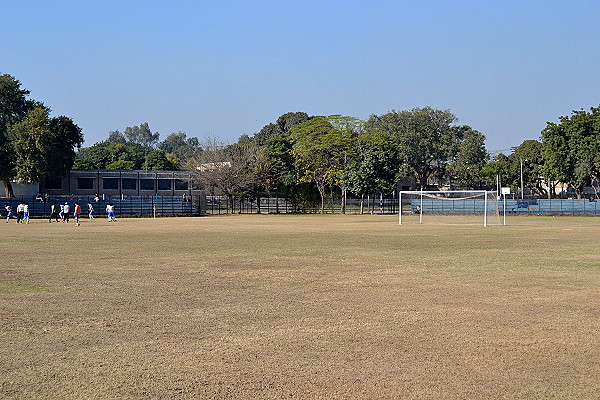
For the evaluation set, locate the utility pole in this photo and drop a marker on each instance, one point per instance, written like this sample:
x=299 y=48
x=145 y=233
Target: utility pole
x=514 y=149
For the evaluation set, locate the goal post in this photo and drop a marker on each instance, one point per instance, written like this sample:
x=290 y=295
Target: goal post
x=452 y=202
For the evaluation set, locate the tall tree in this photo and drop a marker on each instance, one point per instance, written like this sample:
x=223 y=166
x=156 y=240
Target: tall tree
x=143 y=136
x=319 y=149
x=116 y=137
x=528 y=158
x=374 y=166
x=467 y=155
x=43 y=146
x=571 y=148
x=282 y=127
x=33 y=146
x=183 y=147
x=14 y=106
x=424 y=137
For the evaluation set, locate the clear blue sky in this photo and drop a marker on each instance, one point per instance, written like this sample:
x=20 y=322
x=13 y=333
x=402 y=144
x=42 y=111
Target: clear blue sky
x=226 y=68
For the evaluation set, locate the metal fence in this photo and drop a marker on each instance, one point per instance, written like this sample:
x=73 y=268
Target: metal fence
x=512 y=206
x=554 y=206
x=138 y=206
x=213 y=205
x=270 y=205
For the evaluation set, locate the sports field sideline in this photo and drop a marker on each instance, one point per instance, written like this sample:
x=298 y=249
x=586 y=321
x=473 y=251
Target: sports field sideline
x=301 y=306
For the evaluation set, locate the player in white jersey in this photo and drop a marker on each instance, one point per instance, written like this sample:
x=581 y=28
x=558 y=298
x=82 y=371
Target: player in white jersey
x=26 y=212
x=110 y=210
x=90 y=211
x=8 y=209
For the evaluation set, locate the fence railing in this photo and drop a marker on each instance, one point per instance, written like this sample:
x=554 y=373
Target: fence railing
x=127 y=206
x=214 y=205
x=512 y=206
x=219 y=205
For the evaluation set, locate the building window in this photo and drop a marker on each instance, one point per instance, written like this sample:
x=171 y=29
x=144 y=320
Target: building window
x=54 y=184
x=181 y=185
x=85 y=183
x=128 y=184
x=146 y=184
x=164 y=184
x=110 y=183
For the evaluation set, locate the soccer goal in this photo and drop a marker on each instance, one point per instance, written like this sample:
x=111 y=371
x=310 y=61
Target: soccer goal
x=463 y=205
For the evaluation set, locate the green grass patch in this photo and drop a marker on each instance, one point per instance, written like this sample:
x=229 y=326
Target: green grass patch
x=10 y=287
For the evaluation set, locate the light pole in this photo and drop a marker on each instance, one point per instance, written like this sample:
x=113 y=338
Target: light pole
x=521 y=159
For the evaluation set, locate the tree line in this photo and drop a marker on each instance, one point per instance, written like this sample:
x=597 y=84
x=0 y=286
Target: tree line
x=306 y=158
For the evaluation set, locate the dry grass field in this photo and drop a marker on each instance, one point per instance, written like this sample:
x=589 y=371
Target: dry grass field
x=305 y=307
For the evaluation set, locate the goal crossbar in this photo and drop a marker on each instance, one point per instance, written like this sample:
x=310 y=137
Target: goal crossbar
x=443 y=195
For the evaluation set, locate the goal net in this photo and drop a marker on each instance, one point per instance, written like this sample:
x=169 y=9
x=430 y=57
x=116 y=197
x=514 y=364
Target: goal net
x=451 y=206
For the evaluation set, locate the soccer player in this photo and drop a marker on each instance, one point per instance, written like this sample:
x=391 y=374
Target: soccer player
x=110 y=210
x=66 y=212
x=26 y=212
x=20 y=211
x=53 y=213
x=90 y=211
x=8 y=209
x=77 y=213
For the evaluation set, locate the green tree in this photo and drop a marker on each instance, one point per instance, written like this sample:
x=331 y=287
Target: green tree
x=528 y=155
x=424 y=137
x=571 y=149
x=281 y=128
x=121 y=164
x=143 y=136
x=102 y=155
x=495 y=171
x=183 y=147
x=116 y=137
x=159 y=161
x=318 y=150
x=14 y=107
x=374 y=165
x=467 y=155
x=43 y=146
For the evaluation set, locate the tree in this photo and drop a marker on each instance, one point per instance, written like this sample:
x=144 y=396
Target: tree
x=33 y=146
x=281 y=128
x=103 y=155
x=116 y=137
x=43 y=146
x=571 y=149
x=14 y=107
x=528 y=155
x=318 y=150
x=494 y=170
x=374 y=166
x=183 y=147
x=143 y=136
x=468 y=155
x=229 y=169
x=424 y=137
x=121 y=164
x=158 y=160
